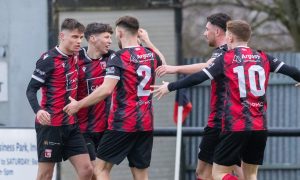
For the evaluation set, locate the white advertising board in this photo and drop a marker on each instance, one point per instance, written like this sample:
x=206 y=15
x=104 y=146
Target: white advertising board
x=18 y=154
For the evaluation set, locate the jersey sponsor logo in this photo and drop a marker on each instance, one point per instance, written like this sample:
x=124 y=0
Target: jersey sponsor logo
x=253 y=104
x=63 y=65
x=94 y=83
x=236 y=59
x=275 y=60
x=48 y=153
x=141 y=102
x=139 y=58
x=72 y=79
x=251 y=57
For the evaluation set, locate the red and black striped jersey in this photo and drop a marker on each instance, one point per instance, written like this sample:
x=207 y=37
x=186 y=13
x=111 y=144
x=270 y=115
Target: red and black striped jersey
x=58 y=73
x=91 y=75
x=132 y=108
x=245 y=73
x=217 y=94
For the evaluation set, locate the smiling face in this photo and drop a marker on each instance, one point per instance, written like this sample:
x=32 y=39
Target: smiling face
x=102 y=42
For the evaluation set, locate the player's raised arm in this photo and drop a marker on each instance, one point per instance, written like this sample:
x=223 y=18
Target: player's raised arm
x=144 y=38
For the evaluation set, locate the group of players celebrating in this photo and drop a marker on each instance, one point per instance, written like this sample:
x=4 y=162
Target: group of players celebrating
x=96 y=107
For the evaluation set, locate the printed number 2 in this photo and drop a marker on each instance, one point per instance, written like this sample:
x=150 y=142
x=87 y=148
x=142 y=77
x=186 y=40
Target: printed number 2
x=146 y=78
x=251 y=75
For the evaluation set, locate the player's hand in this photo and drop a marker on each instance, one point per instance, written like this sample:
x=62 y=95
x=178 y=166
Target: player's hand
x=297 y=85
x=160 y=90
x=72 y=107
x=165 y=69
x=143 y=35
x=43 y=117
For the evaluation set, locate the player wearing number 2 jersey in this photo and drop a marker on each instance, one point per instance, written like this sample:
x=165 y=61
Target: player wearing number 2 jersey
x=130 y=72
x=245 y=73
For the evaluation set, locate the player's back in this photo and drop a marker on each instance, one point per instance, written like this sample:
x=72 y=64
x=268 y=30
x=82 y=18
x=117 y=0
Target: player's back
x=247 y=73
x=132 y=100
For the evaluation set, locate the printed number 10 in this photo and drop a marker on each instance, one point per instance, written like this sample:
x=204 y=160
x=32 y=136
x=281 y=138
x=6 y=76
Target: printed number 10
x=252 y=81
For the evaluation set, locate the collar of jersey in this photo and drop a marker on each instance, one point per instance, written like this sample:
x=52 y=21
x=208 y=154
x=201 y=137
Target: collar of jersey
x=87 y=56
x=60 y=52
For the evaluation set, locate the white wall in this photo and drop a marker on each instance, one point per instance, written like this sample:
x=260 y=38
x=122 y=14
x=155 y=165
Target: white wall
x=23 y=32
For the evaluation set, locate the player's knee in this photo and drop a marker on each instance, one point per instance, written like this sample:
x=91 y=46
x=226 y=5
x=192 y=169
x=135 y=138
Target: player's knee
x=44 y=176
x=250 y=176
x=204 y=173
x=86 y=171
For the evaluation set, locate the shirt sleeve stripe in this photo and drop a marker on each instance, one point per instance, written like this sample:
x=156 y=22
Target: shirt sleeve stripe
x=113 y=77
x=38 y=79
x=208 y=74
x=278 y=67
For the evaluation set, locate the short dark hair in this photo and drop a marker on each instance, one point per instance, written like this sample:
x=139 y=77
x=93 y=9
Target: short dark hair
x=72 y=24
x=130 y=23
x=97 y=28
x=241 y=29
x=219 y=19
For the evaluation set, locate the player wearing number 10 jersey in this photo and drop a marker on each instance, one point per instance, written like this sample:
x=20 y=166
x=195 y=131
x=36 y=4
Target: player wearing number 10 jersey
x=245 y=73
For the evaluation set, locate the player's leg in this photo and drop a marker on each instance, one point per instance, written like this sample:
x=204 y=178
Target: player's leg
x=139 y=174
x=250 y=171
x=203 y=170
x=74 y=149
x=207 y=147
x=102 y=169
x=238 y=171
x=253 y=154
x=49 y=150
x=139 y=156
x=45 y=170
x=113 y=149
x=221 y=172
x=92 y=142
x=82 y=165
x=227 y=154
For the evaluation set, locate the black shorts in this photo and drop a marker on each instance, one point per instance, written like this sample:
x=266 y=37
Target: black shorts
x=55 y=143
x=208 y=144
x=92 y=142
x=246 y=146
x=136 y=146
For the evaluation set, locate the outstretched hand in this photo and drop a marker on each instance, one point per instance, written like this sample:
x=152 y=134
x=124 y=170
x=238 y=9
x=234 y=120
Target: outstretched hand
x=72 y=107
x=298 y=84
x=160 y=90
x=165 y=69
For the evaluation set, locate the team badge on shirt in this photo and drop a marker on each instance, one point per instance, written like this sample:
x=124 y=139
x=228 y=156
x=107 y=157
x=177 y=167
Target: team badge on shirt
x=48 y=153
x=103 y=65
